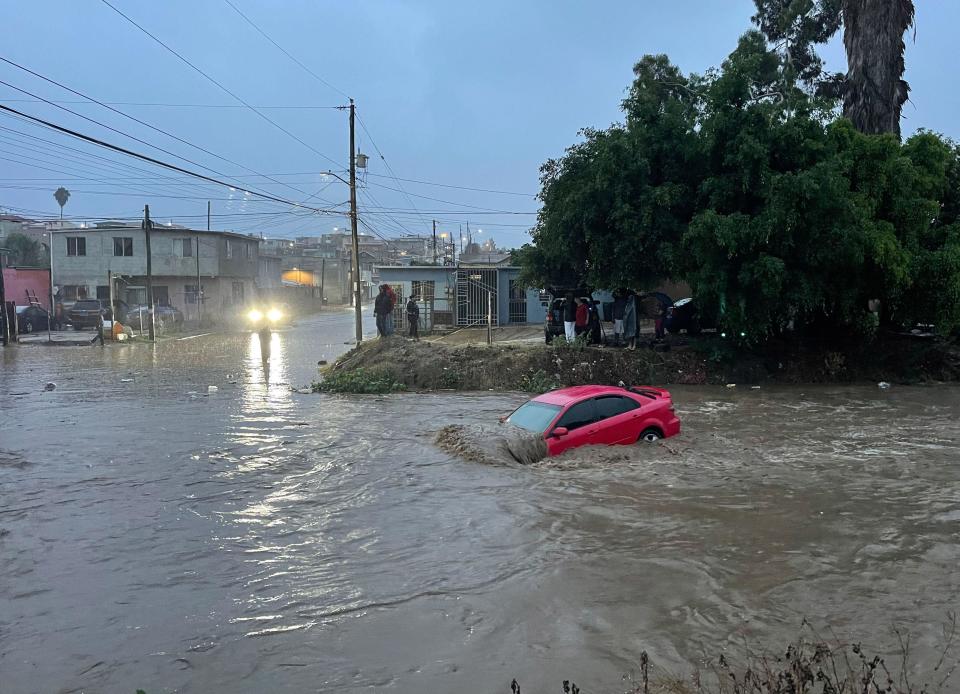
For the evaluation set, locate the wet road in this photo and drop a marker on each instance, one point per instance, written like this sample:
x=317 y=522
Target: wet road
x=257 y=539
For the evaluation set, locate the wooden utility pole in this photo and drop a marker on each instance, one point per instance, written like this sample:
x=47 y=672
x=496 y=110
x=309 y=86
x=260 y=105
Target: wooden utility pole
x=208 y=215
x=434 y=241
x=489 y=317
x=358 y=309
x=323 y=274
x=147 y=225
x=199 y=290
x=53 y=308
x=113 y=309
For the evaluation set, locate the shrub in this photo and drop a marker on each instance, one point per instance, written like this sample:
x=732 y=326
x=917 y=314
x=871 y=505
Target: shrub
x=360 y=380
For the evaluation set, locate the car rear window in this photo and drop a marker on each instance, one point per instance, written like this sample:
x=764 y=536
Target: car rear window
x=534 y=416
x=87 y=304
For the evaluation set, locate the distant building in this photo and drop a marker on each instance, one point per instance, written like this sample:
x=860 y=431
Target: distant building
x=227 y=265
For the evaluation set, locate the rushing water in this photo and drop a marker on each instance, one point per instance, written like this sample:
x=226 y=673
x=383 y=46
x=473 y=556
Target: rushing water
x=256 y=539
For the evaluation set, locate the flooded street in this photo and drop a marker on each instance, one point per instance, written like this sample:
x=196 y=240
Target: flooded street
x=255 y=539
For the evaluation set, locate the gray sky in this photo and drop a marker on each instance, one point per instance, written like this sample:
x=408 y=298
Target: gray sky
x=474 y=94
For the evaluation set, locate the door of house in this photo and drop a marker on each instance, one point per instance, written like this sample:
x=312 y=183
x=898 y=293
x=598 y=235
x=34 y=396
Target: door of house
x=518 y=302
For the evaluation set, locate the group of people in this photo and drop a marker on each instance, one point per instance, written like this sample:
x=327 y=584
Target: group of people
x=581 y=318
x=383 y=307
x=626 y=326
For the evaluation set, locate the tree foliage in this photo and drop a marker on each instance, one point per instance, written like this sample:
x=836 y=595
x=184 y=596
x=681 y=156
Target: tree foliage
x=24 y=251
x=779 y=215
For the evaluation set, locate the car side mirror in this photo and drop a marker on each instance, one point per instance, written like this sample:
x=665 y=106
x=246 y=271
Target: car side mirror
x=560 y=431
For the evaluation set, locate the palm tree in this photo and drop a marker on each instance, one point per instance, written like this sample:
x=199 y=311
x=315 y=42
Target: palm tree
x=62 y=195
x=873 y=88
x=873 y=38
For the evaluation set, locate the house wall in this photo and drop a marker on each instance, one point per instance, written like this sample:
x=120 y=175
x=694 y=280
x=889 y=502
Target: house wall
x=16 y=282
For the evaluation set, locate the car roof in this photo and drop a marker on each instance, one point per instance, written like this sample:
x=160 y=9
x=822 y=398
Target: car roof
x=564 y=396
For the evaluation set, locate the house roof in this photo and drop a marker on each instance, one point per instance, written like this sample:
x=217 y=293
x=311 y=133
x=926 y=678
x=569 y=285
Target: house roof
x=160 y=228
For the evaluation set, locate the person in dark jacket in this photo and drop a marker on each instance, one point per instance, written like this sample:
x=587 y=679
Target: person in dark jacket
x=413 y=318
x=660 y=318
x=382 y=307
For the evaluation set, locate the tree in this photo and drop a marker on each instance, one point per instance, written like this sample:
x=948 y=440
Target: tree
x=62 y=195
x=873 y=88
x=616 y=204
x=25 y=251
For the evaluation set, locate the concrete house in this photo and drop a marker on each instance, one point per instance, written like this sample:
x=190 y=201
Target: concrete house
x=227 y=265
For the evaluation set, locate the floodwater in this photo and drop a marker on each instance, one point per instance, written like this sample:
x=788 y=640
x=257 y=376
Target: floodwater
x=255 y=539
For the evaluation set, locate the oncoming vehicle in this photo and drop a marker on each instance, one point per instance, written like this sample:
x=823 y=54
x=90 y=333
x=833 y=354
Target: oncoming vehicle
x=263 y=321
x=598 y=415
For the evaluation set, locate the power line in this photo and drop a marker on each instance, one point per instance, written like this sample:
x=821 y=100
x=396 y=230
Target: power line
x=145 y=124
x=168 y=105
x=286 y=52
x=158 y=162
x=450 y=185
x=447 y=202
x=219 y=85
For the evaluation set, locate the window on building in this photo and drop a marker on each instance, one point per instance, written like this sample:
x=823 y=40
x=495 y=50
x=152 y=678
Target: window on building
x=76 y=245
x=229 y=249
x=161 y=295
x=184 y=248
x=249 y=251
x=103 y=292
x=190 y=293
x=73 y=292
x=237 y=292
x=424 y=290
x=122 y=245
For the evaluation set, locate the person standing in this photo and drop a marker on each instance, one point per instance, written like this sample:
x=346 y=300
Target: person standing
x=582 y=317
x=569 y=318
x=630 y=320
x=619 y=306
x=413 y=318
x=660 y=318
x=382 y=307
x=99 y=335
x=393 y=304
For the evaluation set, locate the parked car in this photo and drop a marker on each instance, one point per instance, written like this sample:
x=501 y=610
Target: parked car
x=85 y=313
x=685 y=314
x=164 y=317
x=598 y=415
x=32 y=317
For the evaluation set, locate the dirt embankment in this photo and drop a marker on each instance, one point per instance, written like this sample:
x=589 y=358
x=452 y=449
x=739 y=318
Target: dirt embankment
x=431 y=366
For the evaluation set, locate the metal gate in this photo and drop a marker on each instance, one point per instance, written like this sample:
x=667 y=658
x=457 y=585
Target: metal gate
x=476 y=295
x=518 y=302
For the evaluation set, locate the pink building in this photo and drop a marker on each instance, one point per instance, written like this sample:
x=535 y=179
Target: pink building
x=21 y=283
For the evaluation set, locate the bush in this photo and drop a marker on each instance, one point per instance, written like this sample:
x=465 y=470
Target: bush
x=360 y=381
x=538 y=382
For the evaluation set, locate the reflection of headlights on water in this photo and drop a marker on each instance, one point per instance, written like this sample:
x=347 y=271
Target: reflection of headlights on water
x=255 y=316
x=273 y=315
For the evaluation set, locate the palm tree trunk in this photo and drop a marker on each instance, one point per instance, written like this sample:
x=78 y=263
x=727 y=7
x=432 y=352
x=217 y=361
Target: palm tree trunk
x=873 y=38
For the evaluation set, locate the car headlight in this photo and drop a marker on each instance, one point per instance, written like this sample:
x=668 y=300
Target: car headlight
x=273 y=315
x=255 y=316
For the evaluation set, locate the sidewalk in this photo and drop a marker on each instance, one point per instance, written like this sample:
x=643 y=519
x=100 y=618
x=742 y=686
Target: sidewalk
x=60 y=337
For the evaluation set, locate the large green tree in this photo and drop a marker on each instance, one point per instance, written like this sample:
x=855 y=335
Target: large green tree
x=616 y=204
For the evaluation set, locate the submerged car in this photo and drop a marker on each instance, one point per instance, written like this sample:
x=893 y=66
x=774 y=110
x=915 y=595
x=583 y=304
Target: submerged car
x=598 y=415
x=30 y=318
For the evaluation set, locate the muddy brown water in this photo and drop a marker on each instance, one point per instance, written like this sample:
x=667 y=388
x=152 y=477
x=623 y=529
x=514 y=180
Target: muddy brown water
x=257 y=539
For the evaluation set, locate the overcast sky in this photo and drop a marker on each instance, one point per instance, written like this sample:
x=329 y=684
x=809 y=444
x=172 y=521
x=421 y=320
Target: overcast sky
x=473 y=94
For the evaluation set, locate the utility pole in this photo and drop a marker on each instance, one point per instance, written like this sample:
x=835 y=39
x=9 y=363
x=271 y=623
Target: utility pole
x=208 y=215
x=489 y=317
x=323 y=274
x=53 y=309
x=113 y=310
x=199 y=290
x=434 y=241
x=353 y=228
x=147 y=225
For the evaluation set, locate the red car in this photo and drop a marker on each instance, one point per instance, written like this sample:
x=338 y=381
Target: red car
x=599 y=416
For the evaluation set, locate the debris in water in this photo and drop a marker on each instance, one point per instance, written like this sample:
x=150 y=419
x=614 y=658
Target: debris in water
x=883 y=385
x=322 y=362
x=754 y=387
x=212 y=389
x=50 y=386
x=304 y=391
x=126 y=380
x=731 y=385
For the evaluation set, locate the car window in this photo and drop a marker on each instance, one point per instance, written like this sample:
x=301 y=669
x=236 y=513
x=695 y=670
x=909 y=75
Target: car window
x=534 y=416
x=613 y=405
x=579 y=415
x=85 y=305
